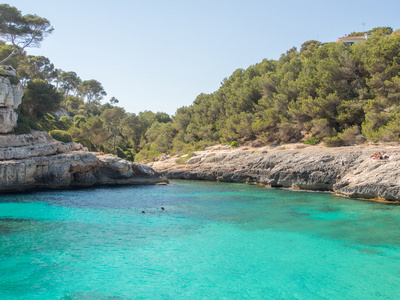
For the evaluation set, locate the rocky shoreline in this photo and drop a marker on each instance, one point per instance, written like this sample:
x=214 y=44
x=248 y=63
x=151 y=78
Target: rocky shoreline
x=36 y=160
x=346 y=171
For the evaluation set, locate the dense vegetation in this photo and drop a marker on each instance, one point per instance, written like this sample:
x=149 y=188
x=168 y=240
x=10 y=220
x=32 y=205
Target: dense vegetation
x=330 y=93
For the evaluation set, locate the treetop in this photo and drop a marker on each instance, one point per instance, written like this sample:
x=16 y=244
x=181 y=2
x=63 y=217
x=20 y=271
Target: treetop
x=22 y=30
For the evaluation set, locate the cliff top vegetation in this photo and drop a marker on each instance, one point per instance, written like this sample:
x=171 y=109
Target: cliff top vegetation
x=323 y=92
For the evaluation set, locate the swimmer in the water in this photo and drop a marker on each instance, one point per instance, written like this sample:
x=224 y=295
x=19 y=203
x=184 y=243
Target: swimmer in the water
x=162 y=208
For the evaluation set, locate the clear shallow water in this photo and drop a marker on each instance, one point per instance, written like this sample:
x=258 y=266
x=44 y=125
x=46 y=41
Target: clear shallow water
x=214 y=241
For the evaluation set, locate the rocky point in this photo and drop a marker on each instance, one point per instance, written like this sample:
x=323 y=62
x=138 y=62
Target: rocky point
x=36 y=160
x=348 y=171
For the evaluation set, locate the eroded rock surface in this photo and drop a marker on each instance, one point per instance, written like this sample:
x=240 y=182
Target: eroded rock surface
x=35 y=144
x=38 y=161
x=348 y=171
x=10 y=98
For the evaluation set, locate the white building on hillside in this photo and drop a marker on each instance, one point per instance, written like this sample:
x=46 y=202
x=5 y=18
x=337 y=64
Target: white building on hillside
x=350 y=40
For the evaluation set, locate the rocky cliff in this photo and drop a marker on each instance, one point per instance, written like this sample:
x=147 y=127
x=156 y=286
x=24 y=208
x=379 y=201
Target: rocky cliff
x=10 y=97
x=38 y=161
x=348 y=171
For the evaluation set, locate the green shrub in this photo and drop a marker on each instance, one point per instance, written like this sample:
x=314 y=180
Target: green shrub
x=180 y=160
x=22 y=128
x=190 y=154
x=234 y=144
x=14 y=80
x=78 y=119
x=312 y=140
x=64 y=123
x=129 y=155
x=47 y=122
x=35 y=125
x=120 y=153
x=22 y=124
x=146 y=154
x=61 y=136
x=352 y=135
x=334 y=141
x=25 y=124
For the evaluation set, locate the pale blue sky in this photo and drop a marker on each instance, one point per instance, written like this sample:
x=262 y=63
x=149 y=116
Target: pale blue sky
x=160 y=55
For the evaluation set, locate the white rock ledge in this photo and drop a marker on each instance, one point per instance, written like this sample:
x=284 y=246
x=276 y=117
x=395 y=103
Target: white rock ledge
x=348 y=171
x=37 y=161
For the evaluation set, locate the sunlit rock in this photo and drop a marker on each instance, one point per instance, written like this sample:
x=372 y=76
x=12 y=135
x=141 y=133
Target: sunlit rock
x=10 y=98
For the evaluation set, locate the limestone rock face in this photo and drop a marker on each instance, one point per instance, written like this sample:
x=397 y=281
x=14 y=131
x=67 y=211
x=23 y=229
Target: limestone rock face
x=348 y=171
x=38 y=161
x=37 y=143
x=372 y=179
x=10 y=98
x=72 y=169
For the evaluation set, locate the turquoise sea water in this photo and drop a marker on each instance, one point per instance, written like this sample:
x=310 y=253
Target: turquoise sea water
x=214 y=241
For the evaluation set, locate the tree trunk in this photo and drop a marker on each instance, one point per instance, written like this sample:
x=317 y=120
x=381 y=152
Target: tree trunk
x=115 y=136
x=14 y=52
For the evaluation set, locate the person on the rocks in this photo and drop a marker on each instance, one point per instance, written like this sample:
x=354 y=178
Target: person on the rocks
x=379 y=156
